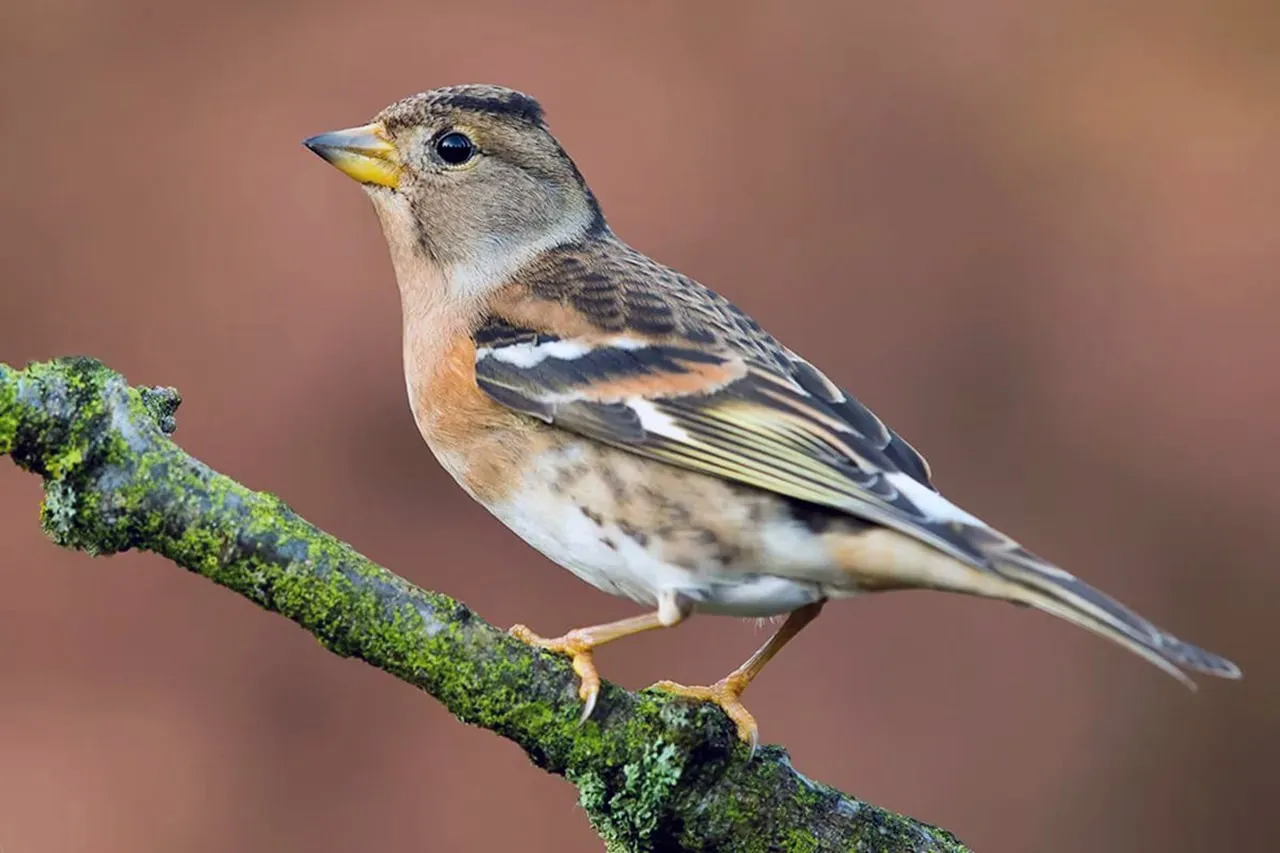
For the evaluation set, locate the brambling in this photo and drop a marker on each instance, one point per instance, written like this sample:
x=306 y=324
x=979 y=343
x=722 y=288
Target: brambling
x=639 y=429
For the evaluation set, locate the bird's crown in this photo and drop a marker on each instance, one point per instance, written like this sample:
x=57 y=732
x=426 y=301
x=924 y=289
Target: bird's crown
x=497 y=102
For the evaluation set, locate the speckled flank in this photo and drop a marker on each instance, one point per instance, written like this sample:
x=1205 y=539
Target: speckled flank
x=635 y=528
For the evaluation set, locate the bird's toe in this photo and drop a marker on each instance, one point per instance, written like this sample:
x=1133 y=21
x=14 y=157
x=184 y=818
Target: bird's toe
x=727 y=694
x=579 y=651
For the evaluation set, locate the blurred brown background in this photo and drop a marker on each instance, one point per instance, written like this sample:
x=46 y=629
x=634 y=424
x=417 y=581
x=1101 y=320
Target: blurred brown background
x=1039 y=237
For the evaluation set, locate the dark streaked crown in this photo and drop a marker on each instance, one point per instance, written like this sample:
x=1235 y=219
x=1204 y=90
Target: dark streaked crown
x=497 y=101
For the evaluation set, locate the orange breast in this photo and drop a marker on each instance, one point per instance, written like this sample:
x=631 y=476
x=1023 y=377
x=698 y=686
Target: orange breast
x=483 y=445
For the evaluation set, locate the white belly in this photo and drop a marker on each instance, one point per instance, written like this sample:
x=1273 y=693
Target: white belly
x=616 y=561
x=605 y=557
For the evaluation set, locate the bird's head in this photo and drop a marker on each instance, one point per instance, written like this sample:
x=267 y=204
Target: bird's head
x=467 y=180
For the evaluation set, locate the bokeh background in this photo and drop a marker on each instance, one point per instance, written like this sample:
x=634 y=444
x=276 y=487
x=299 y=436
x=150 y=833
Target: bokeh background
x=1040 y=238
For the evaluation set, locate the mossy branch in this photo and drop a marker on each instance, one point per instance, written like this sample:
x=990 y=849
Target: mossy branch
x=654 y=772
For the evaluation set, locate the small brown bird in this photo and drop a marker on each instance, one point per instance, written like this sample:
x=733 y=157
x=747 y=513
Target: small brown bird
x=639 y=429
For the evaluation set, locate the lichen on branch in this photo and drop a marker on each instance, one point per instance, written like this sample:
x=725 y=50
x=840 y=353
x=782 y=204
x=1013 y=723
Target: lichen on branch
x=654 y=772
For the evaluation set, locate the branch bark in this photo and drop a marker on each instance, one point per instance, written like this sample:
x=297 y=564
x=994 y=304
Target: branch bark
x=653 y=772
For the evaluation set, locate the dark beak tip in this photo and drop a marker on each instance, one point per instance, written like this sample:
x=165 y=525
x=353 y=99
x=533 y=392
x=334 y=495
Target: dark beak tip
x=320 y=147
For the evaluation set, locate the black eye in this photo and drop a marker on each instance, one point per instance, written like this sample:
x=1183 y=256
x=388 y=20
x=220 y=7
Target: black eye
x=455 y=148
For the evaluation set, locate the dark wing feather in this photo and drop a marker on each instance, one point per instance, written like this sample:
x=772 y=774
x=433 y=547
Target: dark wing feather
x=863 y=420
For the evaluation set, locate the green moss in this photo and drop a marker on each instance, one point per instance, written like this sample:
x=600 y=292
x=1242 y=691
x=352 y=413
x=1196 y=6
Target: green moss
x=162 y=404
x=10 y=415
x=627 y=810
x=800 y=841
x=63 y=463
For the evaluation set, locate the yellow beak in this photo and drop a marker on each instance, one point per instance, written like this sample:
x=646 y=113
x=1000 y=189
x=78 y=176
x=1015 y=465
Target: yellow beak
x=364 y=153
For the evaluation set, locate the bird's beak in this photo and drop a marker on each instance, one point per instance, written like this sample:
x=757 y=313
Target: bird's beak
x=364 y=153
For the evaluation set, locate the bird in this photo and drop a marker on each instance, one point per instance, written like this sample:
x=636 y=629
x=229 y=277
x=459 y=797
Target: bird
x=639 y=429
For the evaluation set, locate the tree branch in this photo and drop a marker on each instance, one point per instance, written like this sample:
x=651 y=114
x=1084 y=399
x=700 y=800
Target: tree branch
x=654 y=772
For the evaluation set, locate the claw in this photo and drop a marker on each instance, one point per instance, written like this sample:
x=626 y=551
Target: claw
x=579 y=652
x=725 y=693
x=588 y=682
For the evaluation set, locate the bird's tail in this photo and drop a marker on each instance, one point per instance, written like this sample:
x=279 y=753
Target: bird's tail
x=1048 y=588
x=981 y=561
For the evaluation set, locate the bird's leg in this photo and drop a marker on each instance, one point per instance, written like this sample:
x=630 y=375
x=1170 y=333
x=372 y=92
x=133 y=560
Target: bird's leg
x=727 y=691
x=580 y=643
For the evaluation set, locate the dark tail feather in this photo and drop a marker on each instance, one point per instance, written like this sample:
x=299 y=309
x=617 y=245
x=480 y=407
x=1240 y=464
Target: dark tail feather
x=1048 y=588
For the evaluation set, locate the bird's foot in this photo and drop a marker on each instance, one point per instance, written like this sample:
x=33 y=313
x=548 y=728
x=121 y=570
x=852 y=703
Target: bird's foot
x=727 y=694
x=579 y=649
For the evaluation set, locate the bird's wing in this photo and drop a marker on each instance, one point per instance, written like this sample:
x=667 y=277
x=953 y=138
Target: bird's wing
x=786 y=430
x=713 y=395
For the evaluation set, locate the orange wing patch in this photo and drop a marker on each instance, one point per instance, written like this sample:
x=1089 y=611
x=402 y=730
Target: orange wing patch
x=700 y=378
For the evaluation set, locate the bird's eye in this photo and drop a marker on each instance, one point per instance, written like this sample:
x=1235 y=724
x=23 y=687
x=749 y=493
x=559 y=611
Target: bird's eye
x=455 y=148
